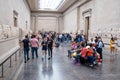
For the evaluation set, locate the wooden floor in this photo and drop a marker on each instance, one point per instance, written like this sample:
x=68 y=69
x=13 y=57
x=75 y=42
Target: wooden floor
x=62 y=68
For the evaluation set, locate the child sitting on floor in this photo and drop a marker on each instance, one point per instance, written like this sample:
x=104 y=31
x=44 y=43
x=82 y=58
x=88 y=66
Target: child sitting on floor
x=73 y=49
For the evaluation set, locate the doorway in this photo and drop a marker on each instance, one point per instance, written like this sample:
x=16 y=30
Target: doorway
x=87 y=26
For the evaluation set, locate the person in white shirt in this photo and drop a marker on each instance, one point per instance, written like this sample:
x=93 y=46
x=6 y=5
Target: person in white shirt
x=92 y=41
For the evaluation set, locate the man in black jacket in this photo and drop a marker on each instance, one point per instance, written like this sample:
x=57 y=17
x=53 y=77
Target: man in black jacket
x=26 y=44
x=50 y=46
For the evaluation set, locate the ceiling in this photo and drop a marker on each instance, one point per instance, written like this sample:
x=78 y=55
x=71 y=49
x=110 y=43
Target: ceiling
x=34 y=6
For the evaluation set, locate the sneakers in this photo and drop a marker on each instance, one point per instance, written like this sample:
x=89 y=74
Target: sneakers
x=91 y=65
x=101 y=60
x=49 y=58
x=94 y=63
x=78 y=64
x=74 y=61
x=99 y=63
x=28 y=59
x=24 y=61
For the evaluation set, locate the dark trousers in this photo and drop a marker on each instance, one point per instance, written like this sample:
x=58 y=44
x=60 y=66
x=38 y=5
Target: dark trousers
x=91 y=59
x=49 y=51
x=26 y=54
x=99 y=50
x=34 y=49
x=78 y=57
x=70 y=53
x=82 y=60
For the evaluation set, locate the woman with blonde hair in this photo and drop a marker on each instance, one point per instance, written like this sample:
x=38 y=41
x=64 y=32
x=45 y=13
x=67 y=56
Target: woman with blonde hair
x=112 y=45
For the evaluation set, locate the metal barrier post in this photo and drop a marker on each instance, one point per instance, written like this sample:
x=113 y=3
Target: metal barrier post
x=2 y=64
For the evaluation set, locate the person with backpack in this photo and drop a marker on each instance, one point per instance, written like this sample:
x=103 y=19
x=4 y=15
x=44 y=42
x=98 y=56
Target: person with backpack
x=99 y=49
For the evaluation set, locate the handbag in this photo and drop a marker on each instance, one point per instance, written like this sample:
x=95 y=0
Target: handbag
x=113 y=45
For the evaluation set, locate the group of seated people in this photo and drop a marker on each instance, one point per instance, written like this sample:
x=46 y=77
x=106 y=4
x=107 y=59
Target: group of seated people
x=85 y=54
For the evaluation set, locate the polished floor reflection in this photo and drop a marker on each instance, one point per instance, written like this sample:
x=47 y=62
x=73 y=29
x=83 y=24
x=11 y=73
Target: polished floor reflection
x=62 y=68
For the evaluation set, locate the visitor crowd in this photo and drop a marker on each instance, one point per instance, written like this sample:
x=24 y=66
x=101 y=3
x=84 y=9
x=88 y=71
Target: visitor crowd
x=82 y=50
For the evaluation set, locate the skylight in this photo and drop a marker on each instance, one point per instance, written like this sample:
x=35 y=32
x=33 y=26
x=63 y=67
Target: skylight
x=50 y=4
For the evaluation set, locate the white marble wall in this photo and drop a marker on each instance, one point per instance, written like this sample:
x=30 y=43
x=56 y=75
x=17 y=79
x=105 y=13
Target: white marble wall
x=70 y=21
x=104 y=18
x=46 y=21
x=60 y=24
x=47 y=24
x=6 y=12
x=6 y=19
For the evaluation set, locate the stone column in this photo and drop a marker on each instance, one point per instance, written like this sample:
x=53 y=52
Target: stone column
x=60 y=21
x=33 y=23
x=58 y=24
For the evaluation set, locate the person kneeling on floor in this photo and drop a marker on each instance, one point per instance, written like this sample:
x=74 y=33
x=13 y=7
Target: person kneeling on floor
x=73 y=49
x=89 y=55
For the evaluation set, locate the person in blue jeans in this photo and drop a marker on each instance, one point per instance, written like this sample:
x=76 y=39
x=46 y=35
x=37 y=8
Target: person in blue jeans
x=26 y=44
x=34 y=46
x=99 y=49
x=89 y=55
